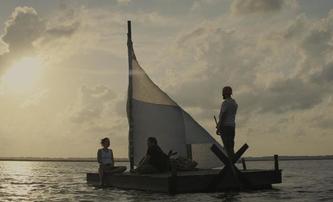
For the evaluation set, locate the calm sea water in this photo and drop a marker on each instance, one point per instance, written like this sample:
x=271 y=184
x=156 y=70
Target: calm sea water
x=66 y=181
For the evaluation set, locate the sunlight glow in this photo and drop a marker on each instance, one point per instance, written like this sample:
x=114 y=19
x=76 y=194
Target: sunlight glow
x=22 y=76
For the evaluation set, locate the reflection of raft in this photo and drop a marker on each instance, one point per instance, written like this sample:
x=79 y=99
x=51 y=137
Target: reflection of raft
x=152 y=113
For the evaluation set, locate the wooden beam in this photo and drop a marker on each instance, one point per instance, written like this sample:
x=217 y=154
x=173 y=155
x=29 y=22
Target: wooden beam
x=220 y=155
x=238 y=177
x=225 y=159
x=239 y=153
x=229 y=167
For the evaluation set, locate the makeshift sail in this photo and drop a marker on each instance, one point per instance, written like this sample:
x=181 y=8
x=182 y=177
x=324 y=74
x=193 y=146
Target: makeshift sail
x=152 y=113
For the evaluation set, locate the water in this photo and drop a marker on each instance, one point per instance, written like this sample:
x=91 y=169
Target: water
x=65 y=181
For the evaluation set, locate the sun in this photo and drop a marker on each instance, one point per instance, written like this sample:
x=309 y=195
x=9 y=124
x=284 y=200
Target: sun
x=22 y=75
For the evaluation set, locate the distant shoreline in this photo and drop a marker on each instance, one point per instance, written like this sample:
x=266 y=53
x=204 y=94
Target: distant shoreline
x=290 y=158
x=264 y=158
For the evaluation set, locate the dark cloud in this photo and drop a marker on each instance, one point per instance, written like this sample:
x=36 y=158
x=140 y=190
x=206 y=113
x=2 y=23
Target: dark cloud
x=325 y=75
x=22 y=29
x=317 y=42
x=286 y=95
x=255 y=6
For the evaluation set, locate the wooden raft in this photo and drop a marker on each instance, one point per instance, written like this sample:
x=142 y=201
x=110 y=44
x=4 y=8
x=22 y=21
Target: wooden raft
x=210 y=180
x=186 y=182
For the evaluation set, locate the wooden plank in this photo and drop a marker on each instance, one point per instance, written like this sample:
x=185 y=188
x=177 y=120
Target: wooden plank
x=239 y=153
x=237 y=176
x=229 y=168
x=220 y=155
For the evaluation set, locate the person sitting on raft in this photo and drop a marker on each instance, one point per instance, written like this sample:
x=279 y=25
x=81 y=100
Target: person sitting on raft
x=155 y=160
x=106 y=161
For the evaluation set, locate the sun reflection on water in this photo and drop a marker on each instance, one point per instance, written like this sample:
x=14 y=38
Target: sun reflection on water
x=18 y=179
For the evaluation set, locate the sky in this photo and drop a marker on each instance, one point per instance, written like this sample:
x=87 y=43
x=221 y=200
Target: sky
x=64 y=71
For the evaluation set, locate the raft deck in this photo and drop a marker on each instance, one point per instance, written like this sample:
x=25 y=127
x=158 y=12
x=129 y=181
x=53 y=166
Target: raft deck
x=200 y=180
x=189 y=181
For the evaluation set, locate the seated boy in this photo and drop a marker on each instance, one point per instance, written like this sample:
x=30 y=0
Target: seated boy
x=155 y=160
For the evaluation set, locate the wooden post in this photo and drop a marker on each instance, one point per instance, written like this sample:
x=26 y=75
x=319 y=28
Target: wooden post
x=276 y=162
x=129 y=96
x=189 y=151
x=173 y=179
x=229 y=167
x=239 y=153
x=215 y=120
x=243 y=163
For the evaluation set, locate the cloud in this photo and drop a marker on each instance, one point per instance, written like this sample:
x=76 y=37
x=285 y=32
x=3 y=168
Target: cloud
x=124 y=1
x=64 y=24
x=94 y=116
x=275 y=71
x=93 y=103
x=3 y=63
x=35 y=99
x=63 y=30
x=197 y=4
x=255 y=6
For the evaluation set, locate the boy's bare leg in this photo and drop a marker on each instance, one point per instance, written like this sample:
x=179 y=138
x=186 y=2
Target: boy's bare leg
x=118 y=169
x=101 y=175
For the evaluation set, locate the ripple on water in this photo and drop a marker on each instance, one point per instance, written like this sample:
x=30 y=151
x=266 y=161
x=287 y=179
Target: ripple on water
x=56 y=181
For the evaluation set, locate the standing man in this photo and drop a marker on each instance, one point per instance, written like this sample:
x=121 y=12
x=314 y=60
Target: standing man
x=226 y=124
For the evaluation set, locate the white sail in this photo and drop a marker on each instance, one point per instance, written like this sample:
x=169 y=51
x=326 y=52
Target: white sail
x=154 y=114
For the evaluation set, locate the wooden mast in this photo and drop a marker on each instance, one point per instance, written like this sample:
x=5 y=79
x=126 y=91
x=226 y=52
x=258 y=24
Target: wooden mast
x=129 y=96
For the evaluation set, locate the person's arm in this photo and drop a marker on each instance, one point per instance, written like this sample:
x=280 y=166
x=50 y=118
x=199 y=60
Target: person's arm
x=148 y=155
x=171 y=153
x=99 y=156
x=112 y=159
x=147 y=158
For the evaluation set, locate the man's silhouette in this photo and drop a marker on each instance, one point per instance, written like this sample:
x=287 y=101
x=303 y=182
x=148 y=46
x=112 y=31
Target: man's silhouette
x=226 y=124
